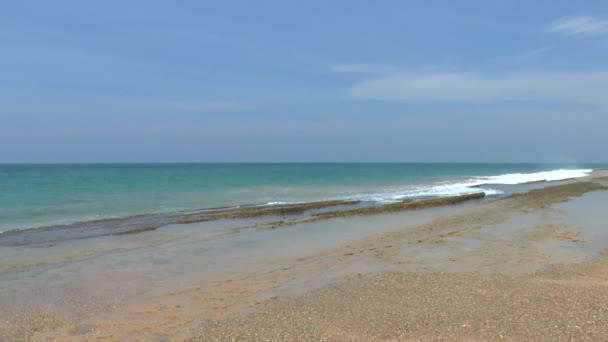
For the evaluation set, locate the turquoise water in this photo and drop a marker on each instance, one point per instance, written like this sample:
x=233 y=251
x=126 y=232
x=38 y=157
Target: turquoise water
x=41 y=195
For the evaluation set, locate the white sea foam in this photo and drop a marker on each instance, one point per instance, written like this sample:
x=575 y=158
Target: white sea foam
x=442 y=190
x=283 y=203
x=520 y=178
x=474 y=185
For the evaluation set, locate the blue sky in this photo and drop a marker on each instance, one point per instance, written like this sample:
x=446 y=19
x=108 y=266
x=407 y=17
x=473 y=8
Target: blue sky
x=134 y=81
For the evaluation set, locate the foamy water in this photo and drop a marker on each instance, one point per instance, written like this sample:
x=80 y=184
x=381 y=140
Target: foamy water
x=521 y=178
x=473 y=185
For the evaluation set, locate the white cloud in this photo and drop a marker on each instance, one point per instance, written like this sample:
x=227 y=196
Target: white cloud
x=579 y=25
x=587 y=87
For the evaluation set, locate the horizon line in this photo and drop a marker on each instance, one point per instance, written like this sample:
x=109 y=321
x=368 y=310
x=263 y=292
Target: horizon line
x=296 y=162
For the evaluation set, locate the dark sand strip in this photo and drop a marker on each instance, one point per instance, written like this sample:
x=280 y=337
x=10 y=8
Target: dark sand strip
x=402 y=206
x=277 y=210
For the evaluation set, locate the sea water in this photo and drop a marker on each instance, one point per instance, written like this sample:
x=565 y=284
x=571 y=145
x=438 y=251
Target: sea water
x=42 y=195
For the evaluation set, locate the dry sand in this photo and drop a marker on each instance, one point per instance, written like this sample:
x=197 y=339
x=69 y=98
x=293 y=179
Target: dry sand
x=568 y=303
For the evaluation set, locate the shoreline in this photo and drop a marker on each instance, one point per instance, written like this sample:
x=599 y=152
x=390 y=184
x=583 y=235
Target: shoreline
x=412 y=192
x=320 y=210
x=511 y=236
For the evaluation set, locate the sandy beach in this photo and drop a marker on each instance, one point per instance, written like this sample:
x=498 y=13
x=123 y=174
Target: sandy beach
x=184 y=171
x=529 y=266
x=564 y=303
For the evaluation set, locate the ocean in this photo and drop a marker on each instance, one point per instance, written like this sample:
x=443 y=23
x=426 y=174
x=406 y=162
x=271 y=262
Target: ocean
x=33 y=196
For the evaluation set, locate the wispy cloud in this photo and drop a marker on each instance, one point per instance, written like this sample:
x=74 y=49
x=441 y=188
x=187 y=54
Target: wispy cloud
x=578 y=26
x=203 y=106
x=521 y=56
x=379 y=69
x=525 y=55
x=581 y=87
x=361 y=68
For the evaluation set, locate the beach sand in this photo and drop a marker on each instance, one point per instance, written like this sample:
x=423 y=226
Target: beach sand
x=526 y=267
x=565 y=303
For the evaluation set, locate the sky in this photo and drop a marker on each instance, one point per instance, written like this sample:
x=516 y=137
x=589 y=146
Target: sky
x=303 y=81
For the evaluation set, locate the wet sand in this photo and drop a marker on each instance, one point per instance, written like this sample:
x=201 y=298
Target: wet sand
x=520 y=268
